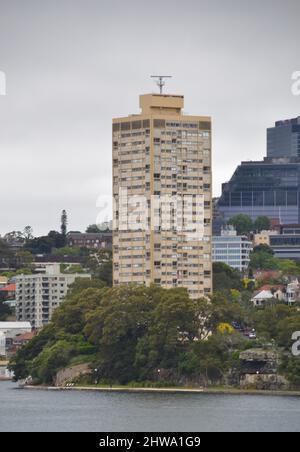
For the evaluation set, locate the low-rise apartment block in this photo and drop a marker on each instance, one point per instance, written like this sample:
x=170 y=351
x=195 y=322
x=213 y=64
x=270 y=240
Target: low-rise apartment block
x=232 y=249
x=37 y=296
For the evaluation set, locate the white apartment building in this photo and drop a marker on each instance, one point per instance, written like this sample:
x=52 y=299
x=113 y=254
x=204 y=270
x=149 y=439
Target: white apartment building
x=232 y=249
x=37 y=296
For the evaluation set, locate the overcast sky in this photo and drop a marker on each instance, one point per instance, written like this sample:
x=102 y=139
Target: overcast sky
x=72 y=65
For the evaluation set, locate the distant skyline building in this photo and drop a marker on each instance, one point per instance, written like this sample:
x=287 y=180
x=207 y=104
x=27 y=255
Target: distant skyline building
x=270 y=187
x=232 y=249
x=283 y=140
x=162 y=187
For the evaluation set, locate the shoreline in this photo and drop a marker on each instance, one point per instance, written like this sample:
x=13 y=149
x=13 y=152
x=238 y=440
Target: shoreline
x=209 y=391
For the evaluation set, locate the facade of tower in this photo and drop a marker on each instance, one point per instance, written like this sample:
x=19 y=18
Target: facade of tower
x=283 y=140
x=162 y=197
x=270 y=187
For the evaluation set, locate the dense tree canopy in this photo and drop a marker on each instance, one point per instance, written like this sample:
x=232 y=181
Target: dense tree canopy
x=262 y=224
x=242 y=223
x=129 y=333
x=225 y=277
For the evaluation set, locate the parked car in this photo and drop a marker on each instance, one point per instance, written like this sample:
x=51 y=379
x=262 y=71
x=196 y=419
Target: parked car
x=252 y=334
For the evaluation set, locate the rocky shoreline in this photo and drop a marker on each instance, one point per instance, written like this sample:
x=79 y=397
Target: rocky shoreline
x=217 y=391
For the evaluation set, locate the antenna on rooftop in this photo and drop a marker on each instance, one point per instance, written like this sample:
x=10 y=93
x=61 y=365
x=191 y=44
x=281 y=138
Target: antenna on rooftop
x=160 y=81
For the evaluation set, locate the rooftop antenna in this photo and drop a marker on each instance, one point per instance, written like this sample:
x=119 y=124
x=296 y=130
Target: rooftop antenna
x=160 y=81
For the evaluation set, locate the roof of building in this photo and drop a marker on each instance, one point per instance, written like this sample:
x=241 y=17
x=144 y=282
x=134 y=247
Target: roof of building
x=25 y=337
x=9 y=288
x=90 y=235
x=263 y=295
x=14 y=325
x=271 y=286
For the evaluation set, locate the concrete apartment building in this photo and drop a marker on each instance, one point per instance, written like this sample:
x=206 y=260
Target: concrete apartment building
x=37 y=296
x=232 y=249
x=163 y=197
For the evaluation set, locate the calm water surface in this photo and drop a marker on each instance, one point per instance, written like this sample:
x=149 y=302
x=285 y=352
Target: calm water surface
x=42 y=411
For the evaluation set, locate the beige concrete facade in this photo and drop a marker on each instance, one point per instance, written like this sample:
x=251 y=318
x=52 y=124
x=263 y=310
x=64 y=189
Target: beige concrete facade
x=263 y=238
x=162 y=154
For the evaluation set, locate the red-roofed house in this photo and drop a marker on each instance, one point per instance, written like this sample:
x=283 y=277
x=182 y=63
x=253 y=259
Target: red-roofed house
x=10 y=289
x=22 y=339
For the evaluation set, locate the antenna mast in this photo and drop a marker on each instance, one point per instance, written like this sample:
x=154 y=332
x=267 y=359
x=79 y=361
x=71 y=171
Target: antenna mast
x=160 y=81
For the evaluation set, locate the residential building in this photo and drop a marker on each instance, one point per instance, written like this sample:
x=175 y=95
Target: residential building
x=12 y=329
x=8 y=332
x=264 y=296
x=9 y=294
x=94 y=241
x=162 y=167
x=3 y=281
x=293 y=292
x=38 y=295
x=269 y=187
x=232 y=249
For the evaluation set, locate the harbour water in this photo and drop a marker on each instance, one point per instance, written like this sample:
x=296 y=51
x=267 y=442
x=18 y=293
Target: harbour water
x=71 y=411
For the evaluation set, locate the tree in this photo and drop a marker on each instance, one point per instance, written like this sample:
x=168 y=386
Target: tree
x=289 y=268
x=264 y=249
x=268 y=321
x=64 y=225
x=4 y=249
x=291 y=369
x=263 y=260
x=262 y=223
x=242 y=223
x=28 y=233
x=4 y=308
x=225 y=277
x=100 y=265
x=92 y=228
x=24 y=259
x=14 y=236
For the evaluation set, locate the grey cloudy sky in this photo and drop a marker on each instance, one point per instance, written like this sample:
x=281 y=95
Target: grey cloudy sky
x=72 y=65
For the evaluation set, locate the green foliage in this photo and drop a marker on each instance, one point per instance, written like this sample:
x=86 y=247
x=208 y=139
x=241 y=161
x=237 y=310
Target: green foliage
x=263 y=260
x=70 y=251
x=92 y=228
x=100 y=265
x=289 y=268
x=262 y=224
x=212 y=358
x=64 y=225
x=5 y=311
x=291 y=369
x=138 y=333
x=226 y=278
x=277 y=322
x=242 y=223
x=45 y=244
x=71 y=269
x=263 y=249
x=129 y=332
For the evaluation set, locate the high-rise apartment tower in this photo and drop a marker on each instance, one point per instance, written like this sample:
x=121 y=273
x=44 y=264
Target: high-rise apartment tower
x=162 y=191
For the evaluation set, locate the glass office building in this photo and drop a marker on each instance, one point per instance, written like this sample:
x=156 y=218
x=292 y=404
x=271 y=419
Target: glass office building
x=269 y=187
